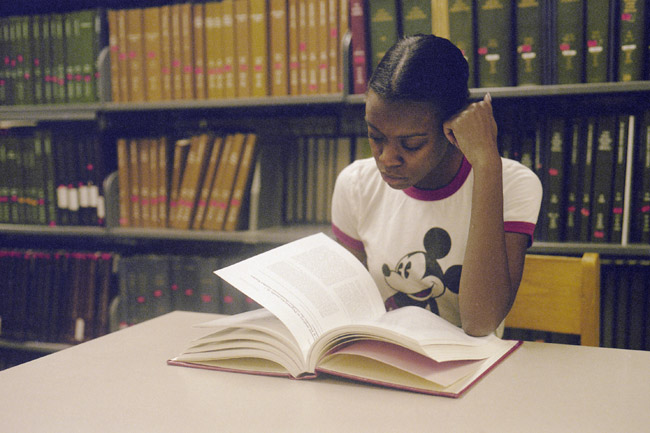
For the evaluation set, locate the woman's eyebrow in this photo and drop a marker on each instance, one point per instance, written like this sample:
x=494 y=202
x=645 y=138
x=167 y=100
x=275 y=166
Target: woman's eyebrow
x=414 y=135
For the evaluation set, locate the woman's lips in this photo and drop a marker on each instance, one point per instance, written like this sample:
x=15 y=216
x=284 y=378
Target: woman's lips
x=392 y=179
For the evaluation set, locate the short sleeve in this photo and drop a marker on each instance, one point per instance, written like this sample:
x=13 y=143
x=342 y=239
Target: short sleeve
x=345 y=207
x=522 y=198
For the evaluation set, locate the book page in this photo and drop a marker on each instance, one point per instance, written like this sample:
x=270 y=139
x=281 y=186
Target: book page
x=312 y=285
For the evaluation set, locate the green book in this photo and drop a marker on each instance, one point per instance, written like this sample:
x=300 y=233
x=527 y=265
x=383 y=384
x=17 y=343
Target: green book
x=15 y=35
x=4 y=180
x=416 y=17
x=40 y=178
x=642 y=184
x=554 y=181
x=572 y=221
x=58 y=59
x=601 y=205
x=495 y=41
x=46 y=60
x=598 y=32
x=383 y=28
x=586 y=179
x=529 y=42
x=618 y=182
x=37 y=48
x=570 y=52
x=86 y=56
x=73 y=48
x=27 y=59
x=5 y=46
x=461 y=33
x=631 y=28
x=45 y=135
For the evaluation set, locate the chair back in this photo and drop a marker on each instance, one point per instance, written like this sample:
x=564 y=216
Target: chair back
x=559 y=294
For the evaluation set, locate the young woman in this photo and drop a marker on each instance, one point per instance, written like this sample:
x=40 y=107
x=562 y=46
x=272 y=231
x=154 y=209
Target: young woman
x=438 y=217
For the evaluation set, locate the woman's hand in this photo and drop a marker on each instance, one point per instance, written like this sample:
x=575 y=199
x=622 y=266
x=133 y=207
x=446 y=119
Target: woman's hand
x=474 y=132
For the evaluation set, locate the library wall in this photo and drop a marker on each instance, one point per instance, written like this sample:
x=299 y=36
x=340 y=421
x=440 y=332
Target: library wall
x=144 y=144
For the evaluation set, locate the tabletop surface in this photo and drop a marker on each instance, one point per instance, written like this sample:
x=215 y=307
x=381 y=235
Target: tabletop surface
x=121 y=383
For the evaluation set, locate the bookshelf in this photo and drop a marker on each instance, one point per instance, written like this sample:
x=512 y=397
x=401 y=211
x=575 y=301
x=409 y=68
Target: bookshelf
x=272 y=116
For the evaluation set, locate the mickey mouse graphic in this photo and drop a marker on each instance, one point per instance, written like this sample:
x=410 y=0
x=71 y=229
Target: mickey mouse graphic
x=418 y=278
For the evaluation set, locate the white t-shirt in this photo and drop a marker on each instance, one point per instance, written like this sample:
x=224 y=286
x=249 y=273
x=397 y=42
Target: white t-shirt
x=415 y=239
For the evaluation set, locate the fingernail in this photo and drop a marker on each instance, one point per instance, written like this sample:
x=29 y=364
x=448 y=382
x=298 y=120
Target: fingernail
x=488 y=97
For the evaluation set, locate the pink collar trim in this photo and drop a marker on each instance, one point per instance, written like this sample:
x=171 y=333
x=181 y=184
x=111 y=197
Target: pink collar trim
x=445 y=191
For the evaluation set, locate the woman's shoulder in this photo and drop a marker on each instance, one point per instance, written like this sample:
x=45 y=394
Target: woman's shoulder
x=360 y=169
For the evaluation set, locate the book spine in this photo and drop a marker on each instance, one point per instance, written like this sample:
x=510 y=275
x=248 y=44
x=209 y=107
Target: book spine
x=37 y=47
x=176 y=52
x=572 y=222
x=460 y=18
x=359 y=47
x=570 y=52
x=323 y=47
x=598 y=58
x=494 y=43
x=135 y=55
x=416 y=17
x=529 y=42
x=603 y=168
x=166 y=54
x=72 y=47
x=303 y=45
x=200 y=82
x=586 y=177
x=152 y=54
x=555 y=181
x=242 y=48
x=618 y=187
x=641 y=228
x=382 y=28
x=278 y=43
x=334 y=46
x=114 y=49
x=58 y=58
x=213 y=49
x=242 y=180
x=294 y=48
x=123 y=82
x=163 y=181
x=229 y=40
x=259 y=27
x=631 y=40
x=187 y=52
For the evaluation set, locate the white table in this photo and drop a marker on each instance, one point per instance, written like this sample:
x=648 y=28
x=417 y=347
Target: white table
x=121 y=383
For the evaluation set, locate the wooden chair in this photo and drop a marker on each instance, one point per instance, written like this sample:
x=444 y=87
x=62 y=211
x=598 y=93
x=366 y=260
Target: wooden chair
x=559 y=294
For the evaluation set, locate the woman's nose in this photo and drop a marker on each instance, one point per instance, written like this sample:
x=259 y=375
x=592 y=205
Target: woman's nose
x=390 y=155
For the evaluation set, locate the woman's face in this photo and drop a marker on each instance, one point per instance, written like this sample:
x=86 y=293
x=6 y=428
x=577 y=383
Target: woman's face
x=409 y=145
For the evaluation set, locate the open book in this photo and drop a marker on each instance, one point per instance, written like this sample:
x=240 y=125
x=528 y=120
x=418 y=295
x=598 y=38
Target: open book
x=324 y=314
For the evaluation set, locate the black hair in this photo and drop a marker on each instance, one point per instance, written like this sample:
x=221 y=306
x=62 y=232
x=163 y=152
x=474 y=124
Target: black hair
x=424 y=68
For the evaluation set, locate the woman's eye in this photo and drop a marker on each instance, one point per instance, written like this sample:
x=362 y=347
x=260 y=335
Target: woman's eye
x=412 y=145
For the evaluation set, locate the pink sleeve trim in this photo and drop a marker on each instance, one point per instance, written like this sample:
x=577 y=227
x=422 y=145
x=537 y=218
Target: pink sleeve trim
x=346 y=240
x=520 y=227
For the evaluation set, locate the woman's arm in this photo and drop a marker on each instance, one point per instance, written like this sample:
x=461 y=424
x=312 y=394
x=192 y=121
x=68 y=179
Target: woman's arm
x=493 y=260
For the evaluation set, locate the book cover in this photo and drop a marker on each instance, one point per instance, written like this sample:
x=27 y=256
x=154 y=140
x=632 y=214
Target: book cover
x=587 y=178
x=213 y=50
x=123 y=69
x=278 y=51
x=334 y=34
x=570 y=52
x=166 y=58
x=57 y=36
x=229 y=41
x=294 y=48
x=631 y=29
x=554 y=179
x=241 y=183
x=323 y=46
x=114 y=49
x=179 y=158
x=177 y=51
x=360 y=53
x=618 y=181
x=383 y=28
x=135 y=54
x=144 y=177
x=307 y=341
x=574 y=155
x=187 y=51
x=208 y=182
x=303 y=46
x=494 y=43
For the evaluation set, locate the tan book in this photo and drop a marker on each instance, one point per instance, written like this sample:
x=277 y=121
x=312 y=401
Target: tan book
x=114 y=53
x=323 y=46
x=200 y=146
x=166 y=52
x=187 y=57
x=228 y=40
x=222 y=189
x=145 y=182
x=343 y=28
x=198 y=12
x=242 y=48
x=123 y=82
x=333 y=46
x=213 y=50
x=176 y=52
x=152 y=53
x=123 y=176
x=294 y=48
x=278 y=43
x=241 y=183
x=181 y=149
x=208 y=182
x=152 y=148
x=134 y=184
x=210 y=213
x=259 y=48
x=135 y=54
x=313 y=46
x=440 y=18
x=163 y=194
x=303 y=46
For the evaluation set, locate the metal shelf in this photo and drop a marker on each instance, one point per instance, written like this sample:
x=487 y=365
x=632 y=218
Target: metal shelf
x=52 y=112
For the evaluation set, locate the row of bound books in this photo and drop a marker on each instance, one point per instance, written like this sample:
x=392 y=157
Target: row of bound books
x=51 y=176
x=595 y=171
x=151 y=285
x=55 y=296
x=199 y=183
x=509 y=43
x=226 y=49
x=51 y=58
